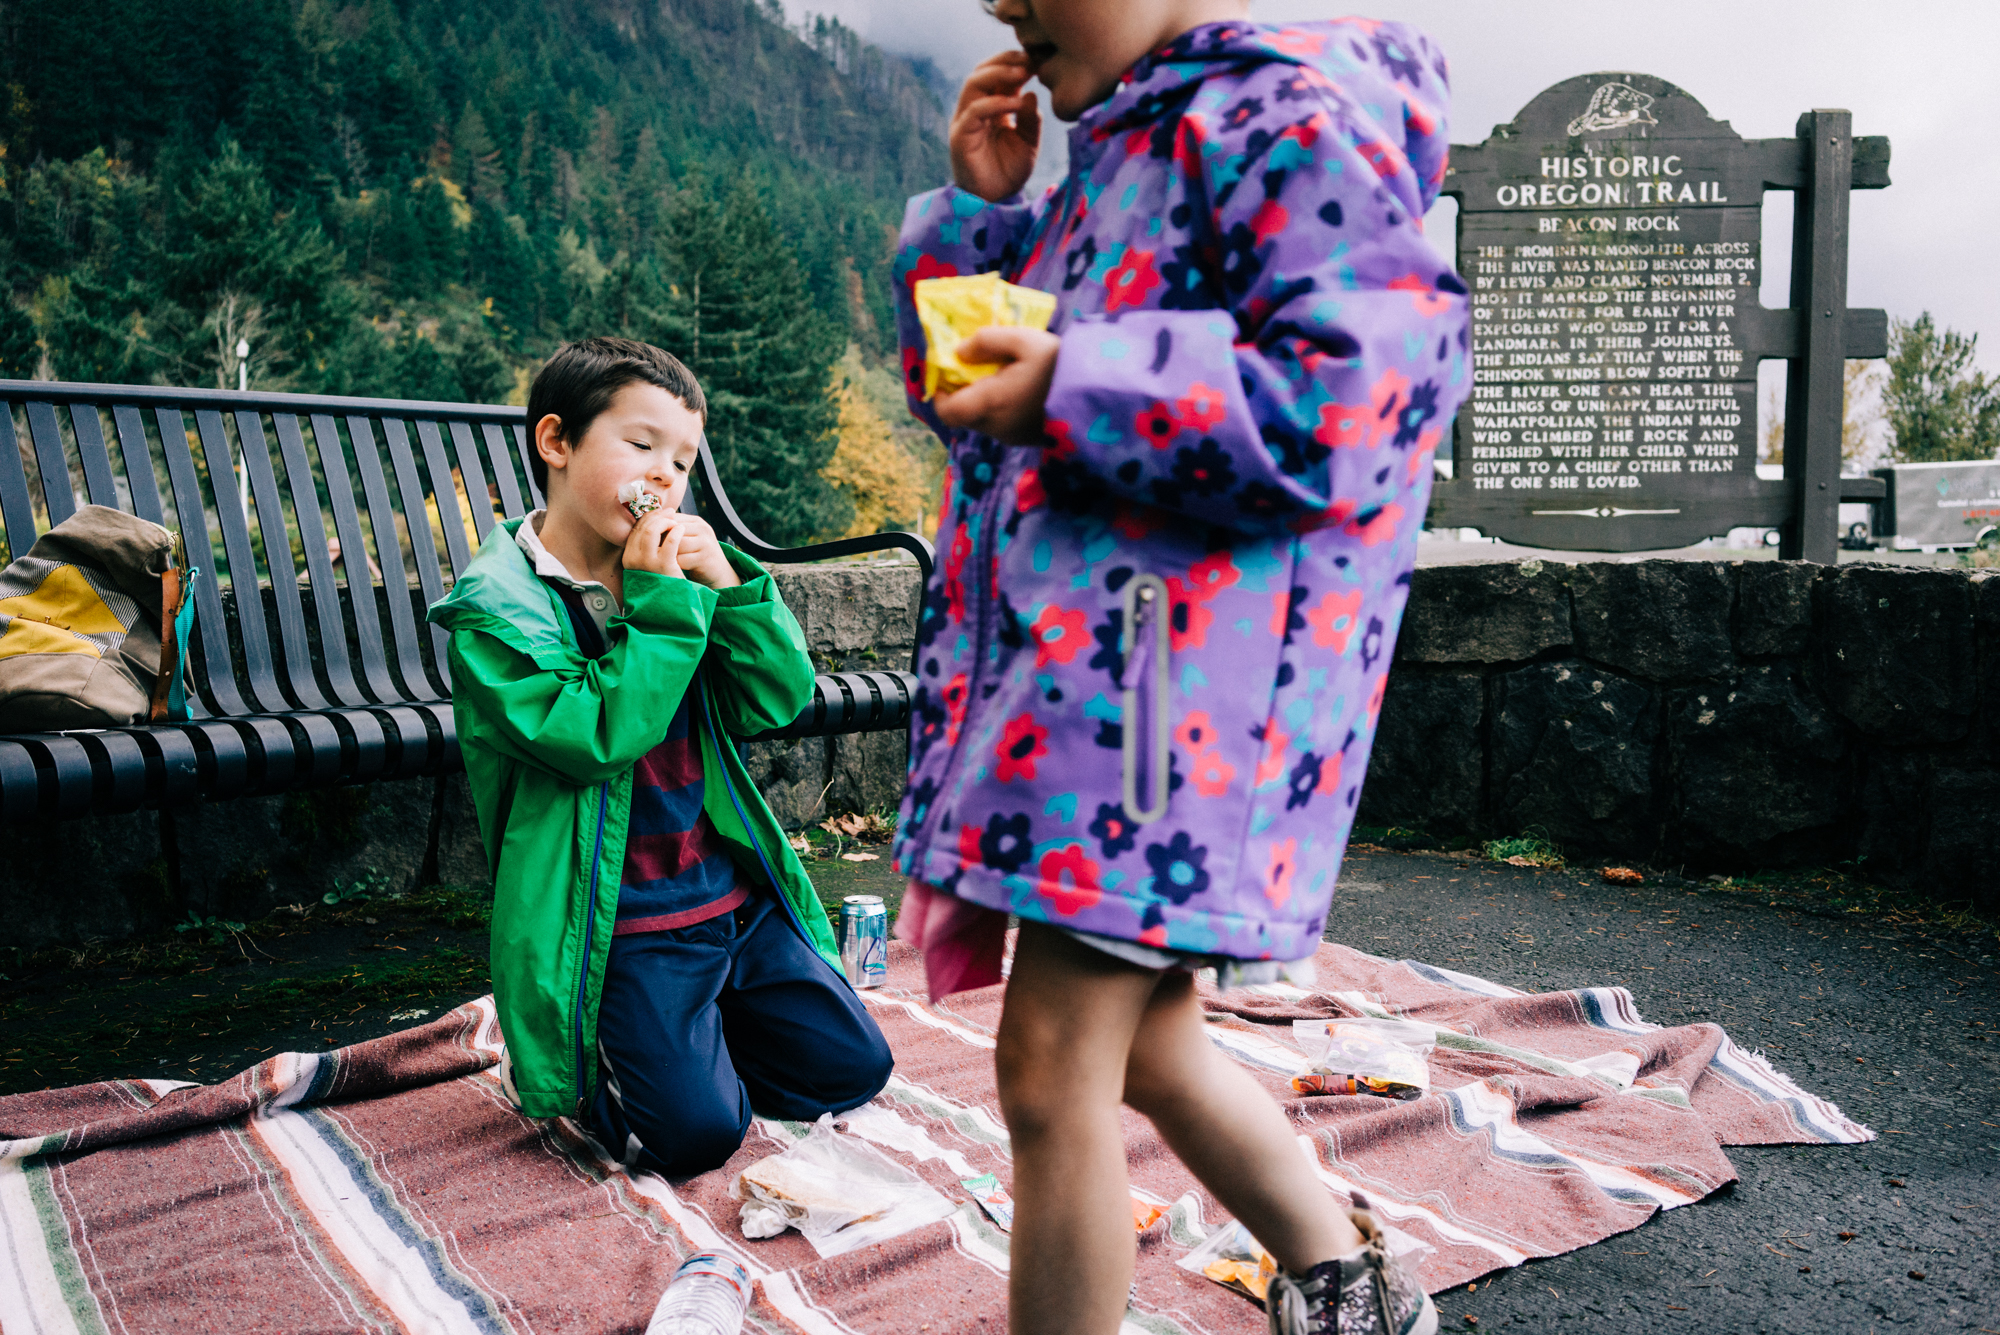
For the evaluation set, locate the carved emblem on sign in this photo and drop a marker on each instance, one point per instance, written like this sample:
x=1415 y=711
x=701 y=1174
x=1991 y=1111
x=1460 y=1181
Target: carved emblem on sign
x=1614 y=106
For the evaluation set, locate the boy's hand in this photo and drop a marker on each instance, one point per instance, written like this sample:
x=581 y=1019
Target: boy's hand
x=1008 y=404
x=679 y=546
x=995 y=129
x=700 y=555
x=654 y=542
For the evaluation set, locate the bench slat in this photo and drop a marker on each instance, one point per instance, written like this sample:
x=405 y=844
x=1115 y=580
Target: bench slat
x=140 y=482
x=444 y=491
x=473 y=471
x=218 y=676
x=498 y=454
x=526 y=449
x=120 y=769
x=297 y=662
x=354 y=561
x=422 y=545
x=17 y=507
x=57 y=496
x=88 y=428
x=332 y=658
x=382 y=518
x=260 y=663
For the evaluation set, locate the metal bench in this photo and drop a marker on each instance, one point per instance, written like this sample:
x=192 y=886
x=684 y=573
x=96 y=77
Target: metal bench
x=304 y=676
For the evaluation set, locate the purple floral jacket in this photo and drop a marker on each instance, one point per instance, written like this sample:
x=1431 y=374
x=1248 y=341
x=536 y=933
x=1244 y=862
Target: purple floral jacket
x=1153 y=652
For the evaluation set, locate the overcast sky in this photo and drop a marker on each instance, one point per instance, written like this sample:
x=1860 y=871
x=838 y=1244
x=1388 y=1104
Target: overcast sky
x=1924 y=78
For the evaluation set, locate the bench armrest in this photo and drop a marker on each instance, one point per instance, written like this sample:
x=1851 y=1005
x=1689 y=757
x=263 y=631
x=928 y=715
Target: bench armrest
x=734 y=530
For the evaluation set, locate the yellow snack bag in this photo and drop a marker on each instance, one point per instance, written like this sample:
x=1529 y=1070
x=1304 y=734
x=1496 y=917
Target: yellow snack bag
x=950 y=309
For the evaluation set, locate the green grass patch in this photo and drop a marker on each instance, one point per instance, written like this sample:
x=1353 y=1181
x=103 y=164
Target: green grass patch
x=1844 y=890
x=1525 y=850
x=235 y=1010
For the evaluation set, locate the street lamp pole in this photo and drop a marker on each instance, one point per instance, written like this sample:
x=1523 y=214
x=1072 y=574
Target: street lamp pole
x=242 y=466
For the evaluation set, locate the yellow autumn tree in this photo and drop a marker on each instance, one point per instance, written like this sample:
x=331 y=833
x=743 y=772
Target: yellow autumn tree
x=1860 y=420
x=869 y=465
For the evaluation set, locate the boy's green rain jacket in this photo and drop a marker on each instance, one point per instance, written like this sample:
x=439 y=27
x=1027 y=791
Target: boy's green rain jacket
x=550 y=739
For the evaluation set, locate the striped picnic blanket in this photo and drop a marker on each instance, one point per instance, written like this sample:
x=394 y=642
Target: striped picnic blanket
x=389 y=1185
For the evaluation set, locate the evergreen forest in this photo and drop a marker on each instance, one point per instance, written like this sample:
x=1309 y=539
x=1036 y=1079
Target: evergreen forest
x=419 y=199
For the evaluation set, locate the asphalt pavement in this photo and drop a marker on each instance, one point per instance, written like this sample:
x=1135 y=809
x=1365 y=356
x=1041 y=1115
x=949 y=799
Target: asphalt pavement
x=1894 y=1020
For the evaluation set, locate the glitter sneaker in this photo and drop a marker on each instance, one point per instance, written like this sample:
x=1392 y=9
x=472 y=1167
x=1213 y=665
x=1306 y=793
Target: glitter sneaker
x=1367 y=1292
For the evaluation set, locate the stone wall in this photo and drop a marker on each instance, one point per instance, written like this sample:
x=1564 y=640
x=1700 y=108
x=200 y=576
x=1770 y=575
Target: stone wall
x=860 y=617
x=109 y=877
x=1722 y=716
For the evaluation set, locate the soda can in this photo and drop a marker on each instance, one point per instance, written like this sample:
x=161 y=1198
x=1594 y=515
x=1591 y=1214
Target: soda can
x=864 y=940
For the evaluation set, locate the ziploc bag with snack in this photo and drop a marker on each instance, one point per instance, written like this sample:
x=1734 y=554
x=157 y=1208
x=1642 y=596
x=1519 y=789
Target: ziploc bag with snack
x=1234 y=1259
x=1364 y=1056
x=840 y=1192
x=951 y=310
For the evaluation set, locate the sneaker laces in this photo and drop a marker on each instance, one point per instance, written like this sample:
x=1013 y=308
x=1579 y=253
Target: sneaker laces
x=1291 y=1307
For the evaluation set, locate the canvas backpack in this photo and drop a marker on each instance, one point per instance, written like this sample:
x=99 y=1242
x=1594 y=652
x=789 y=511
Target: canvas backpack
x=94 y=624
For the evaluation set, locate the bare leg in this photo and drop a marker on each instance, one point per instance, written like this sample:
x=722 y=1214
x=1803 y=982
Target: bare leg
x=1068 y=1025
x=1230 y=1133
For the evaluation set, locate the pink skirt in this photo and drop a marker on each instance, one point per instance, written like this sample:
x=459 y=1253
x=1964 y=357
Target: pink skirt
x=963 y=943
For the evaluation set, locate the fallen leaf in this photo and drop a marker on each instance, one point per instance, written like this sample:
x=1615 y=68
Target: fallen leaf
x=1847 y=1237
x=1805 y=1270
x=1623 y=876
x=860 y=857
x=1895 y=1181
x=1916 y=1274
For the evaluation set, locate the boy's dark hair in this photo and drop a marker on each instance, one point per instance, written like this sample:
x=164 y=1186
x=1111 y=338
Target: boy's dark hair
x=582 y=378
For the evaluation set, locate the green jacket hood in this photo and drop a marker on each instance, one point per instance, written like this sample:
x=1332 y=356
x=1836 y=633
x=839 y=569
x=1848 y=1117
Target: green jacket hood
x=501 y=594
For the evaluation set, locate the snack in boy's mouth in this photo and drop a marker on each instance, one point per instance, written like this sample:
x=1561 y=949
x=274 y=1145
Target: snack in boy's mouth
x=634 y=497
x=952 y=309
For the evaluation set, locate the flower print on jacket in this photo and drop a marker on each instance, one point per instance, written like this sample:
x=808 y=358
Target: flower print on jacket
x=1260 y=355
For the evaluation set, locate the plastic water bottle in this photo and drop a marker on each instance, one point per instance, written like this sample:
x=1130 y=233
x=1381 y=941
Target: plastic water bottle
x=708 y=1296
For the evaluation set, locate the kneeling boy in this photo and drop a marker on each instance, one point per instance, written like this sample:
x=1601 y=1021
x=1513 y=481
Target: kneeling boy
x=660 y=961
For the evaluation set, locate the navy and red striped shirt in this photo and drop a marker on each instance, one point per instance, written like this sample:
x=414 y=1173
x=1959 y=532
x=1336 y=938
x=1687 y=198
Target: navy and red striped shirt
x=676 y=873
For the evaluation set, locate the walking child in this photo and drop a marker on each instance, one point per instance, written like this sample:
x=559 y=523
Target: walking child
x=1177 y=541
x=660 y=961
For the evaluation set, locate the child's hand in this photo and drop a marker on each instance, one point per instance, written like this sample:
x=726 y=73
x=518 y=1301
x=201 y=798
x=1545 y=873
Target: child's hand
x=995 y=129
x=700 y=555
x=654 y=542
x=1006 y=405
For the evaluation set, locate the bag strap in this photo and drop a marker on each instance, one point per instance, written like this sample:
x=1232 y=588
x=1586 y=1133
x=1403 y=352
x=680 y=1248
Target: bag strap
x=176 y=584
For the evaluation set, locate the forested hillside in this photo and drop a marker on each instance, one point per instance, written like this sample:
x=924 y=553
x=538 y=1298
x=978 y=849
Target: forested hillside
x=419 y=198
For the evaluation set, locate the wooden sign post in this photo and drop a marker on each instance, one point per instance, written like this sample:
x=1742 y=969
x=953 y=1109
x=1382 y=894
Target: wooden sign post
x=1612 y=239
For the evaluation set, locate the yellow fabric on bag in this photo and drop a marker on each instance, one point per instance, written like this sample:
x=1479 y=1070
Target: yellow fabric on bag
x=951 y=310
x=55 y=619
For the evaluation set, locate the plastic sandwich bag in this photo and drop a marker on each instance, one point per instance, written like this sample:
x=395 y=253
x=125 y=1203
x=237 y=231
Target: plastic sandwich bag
x=1364 y=1056
x=1234 y=1259
x=952 y=309
x=840 y=1192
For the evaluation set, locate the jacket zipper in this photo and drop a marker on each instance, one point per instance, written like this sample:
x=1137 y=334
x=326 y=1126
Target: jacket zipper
x=589 y=936
x=729 y=786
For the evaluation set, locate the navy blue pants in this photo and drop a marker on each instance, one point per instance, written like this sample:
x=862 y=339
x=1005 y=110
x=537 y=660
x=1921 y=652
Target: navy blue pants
x=700 y=1024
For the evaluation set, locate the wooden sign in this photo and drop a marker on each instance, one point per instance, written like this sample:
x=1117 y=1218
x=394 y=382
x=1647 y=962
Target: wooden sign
x=1612 y=240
